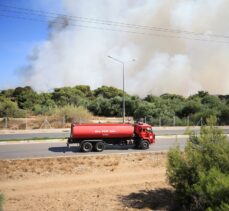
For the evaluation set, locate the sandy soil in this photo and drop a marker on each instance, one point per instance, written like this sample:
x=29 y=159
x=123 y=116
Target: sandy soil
x=101 y=182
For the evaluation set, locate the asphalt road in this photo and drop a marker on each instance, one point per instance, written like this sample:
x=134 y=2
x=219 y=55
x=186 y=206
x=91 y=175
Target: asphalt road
x=65 y=134
x=50 y=149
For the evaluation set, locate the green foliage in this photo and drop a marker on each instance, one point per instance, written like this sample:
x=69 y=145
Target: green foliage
x=106 y=107
x=72 y=113
x=152 y=99
x=190 y=107
x=26 y=97
x=7 y=93
x=108 y=101
x=164 y=107
x=211 y=101
x=1 y=201
x=44 y=105
x=224 y=116
x=199 y=95
x=86 y=90
x=145 y=110
x=108 y=92
x=10 y=109
x=67 y=96
x=200 y=174
x=172 y=97
x=132 y=103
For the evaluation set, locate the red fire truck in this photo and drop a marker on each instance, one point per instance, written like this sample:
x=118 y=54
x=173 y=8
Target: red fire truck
x=95 y=136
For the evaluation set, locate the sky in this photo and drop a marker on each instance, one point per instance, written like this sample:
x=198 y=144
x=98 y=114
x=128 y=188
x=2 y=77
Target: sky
x=18 y=38
x=62 y=51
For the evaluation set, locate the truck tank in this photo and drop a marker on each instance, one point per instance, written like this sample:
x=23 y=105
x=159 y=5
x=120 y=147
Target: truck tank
x=102 y=131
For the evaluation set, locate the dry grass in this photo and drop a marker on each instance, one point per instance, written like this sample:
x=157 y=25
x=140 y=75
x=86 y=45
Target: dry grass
x=73 y=165
x=108 y=182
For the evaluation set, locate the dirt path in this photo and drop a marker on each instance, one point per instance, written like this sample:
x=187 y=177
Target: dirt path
x=117 y=182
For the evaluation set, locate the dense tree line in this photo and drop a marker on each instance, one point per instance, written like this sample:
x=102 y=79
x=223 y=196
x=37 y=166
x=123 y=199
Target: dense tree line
x=107 y=101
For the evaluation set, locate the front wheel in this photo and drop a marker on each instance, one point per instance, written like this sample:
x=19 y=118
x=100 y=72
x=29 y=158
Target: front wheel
x=144 y=144
x=86 y=146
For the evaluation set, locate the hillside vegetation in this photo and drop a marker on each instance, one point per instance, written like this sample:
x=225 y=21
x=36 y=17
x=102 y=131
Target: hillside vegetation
x=107 y=101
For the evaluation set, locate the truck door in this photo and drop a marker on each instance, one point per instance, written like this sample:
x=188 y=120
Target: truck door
x=150 y=135
x=144 y=134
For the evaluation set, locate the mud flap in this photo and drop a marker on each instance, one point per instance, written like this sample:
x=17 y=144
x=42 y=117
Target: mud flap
x=67 y=148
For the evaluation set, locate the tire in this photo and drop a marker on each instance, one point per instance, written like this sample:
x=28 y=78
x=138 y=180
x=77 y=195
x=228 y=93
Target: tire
x=99 y=146
x=86 y=146
x=144 y=144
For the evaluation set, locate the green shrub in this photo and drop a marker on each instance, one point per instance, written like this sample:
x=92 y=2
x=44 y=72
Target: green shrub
x=200 y=174
x=1 y=201
x=10 y=109
x=42 y=110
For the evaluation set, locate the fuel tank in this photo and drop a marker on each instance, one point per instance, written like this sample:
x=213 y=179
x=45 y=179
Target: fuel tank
x=101 y=131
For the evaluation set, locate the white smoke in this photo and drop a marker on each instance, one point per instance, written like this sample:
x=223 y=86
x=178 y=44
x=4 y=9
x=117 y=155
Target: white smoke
x=75 y=55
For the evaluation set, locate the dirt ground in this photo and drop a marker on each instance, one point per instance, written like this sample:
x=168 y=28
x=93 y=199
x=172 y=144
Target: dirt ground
x=101 y=182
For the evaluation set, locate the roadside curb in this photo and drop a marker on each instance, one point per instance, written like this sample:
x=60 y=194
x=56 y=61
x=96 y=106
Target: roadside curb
x=8 y=142
x=32 y=141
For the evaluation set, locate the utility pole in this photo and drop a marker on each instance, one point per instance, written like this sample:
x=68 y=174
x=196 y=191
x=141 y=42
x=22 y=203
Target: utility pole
x=123 y=86
x=6 y=122
x=174 y=121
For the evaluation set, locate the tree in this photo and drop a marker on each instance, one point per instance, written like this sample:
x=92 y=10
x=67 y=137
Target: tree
x=132 y=103
x=44 y=104
x=67 y=96
x=189 y=108
x=108 y=92
x=211 y=101
x=7 y=93
x=106 y=107
x=152 y=99
x=172 y=97
x=145 y=109
x=86 y=90
x=199 y=95
x=10 y=109
x=26 y=97
x=224 y=116
x=200 y=174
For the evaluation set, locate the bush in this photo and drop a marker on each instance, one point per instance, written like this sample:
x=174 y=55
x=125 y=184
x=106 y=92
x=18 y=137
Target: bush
x=1 y=201
x=73 y=113
x=10 y=109
x=200 y=174
x=42 y=110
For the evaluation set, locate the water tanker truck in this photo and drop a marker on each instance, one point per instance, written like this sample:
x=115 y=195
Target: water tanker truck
x=95 y=136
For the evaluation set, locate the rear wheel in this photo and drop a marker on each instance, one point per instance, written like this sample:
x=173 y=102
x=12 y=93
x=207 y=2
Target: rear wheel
x=99 y=146
x=144 y=144
x=86 y=146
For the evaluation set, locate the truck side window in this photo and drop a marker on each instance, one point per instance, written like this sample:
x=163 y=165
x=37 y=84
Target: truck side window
x=148 y=129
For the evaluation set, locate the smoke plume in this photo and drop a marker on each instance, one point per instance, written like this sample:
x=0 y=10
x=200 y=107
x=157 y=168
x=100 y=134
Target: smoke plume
x=163 y=63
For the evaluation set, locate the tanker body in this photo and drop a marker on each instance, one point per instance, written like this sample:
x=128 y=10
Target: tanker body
x=95 y=136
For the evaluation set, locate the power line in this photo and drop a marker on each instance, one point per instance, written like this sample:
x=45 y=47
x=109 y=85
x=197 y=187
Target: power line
x=113 y=23
x=51 y=15
x=124 y=31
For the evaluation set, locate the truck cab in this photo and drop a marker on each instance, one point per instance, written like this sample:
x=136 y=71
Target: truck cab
x=144 y=132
